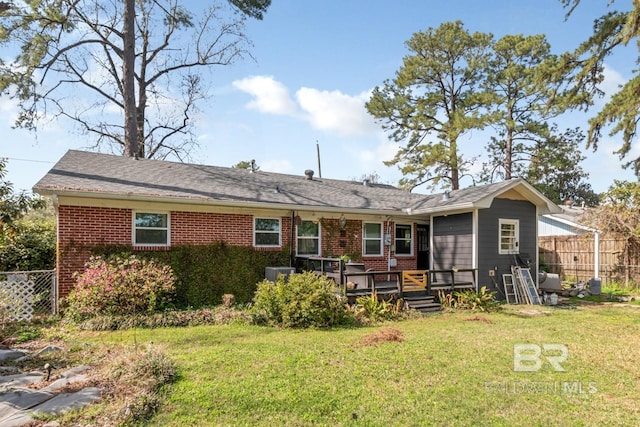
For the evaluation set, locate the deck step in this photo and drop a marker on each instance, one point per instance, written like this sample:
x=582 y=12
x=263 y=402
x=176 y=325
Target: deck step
x=423 y=305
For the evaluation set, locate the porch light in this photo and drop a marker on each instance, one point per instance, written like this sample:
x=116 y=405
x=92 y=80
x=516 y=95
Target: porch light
x=342 y=221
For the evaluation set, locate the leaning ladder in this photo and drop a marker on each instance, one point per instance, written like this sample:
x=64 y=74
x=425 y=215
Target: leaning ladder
x=509 y=289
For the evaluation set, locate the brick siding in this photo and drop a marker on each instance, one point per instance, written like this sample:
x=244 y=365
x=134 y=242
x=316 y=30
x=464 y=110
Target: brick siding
x=81 y=228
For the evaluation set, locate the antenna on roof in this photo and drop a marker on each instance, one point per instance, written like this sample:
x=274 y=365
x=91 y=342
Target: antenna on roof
x=318 y=151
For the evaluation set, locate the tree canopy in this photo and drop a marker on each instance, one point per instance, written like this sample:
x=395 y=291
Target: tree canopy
x=554 y=168
x=453 y=82
x=13 y=206
x=97 y=62
x=531 y=88
x=611 y=32
x=436 y=96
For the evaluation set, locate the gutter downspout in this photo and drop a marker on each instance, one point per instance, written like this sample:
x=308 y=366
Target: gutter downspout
x=293 y=224
x=596 y=255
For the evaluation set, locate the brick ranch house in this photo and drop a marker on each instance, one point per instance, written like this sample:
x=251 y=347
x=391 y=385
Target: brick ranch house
x=150 y=204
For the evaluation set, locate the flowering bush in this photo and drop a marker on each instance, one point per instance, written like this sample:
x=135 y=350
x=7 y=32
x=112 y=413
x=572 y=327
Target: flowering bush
x=120 y=285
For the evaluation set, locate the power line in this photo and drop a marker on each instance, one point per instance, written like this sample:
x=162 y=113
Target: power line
x=28 y=160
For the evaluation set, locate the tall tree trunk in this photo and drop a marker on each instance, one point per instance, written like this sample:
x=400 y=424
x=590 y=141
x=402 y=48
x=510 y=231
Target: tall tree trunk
x=455 y=170
x=128 y=80
x=508 y=155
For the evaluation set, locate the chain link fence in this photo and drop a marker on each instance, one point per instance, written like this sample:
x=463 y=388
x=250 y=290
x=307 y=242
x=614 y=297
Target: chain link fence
x=25 y=294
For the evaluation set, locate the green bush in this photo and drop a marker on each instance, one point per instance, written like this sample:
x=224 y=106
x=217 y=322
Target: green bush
x=219 y=315
x=483 y=300
x=305 y=300
x=30 y=244
x=373 y=309
x=204 y=273
x=118 y=286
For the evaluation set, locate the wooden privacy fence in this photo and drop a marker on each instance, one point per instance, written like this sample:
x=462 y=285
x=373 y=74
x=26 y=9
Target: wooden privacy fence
x=573 y=258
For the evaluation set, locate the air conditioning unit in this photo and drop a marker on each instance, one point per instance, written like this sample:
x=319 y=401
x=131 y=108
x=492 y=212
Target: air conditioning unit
x=271 y=273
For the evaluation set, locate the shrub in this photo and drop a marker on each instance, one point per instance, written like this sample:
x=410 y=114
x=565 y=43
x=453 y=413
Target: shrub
x=169 y=318
x=483 y=300
x=204 y=273
x=119 y=286
x=371 y=308
x=305 y=300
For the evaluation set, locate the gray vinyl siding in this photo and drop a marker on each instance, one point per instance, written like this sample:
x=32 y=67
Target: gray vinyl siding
x=453 y=241
x=488 y=245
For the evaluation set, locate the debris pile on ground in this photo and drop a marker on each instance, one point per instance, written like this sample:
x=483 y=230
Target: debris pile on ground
x=579 y=290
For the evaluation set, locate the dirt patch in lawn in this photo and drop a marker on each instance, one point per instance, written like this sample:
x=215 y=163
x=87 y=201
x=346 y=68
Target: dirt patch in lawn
x=382 y=336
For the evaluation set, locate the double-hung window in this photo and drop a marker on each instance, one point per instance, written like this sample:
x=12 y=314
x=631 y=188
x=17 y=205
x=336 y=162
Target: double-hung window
x=150 y=229
x=372 y=238
x=404 y=239
x=266 y=232
x=308 y=242
x=508 y=236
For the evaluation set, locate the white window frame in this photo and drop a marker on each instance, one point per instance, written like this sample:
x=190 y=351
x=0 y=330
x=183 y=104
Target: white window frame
x=279 y=232
x=515 y=239
x=365 y=239
x=410 y=239
x=134 y=228
x=318 y=238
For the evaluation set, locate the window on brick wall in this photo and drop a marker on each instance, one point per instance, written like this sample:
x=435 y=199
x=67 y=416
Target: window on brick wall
x=150 y=229
x=308 y=238
x=372 y=238
x=266 y=232
x=404 y=239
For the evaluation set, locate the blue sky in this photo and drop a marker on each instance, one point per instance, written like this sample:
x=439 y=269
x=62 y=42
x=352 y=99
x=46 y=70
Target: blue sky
x=316 y=62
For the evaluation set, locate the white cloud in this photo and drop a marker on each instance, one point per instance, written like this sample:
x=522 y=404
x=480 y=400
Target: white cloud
x=270 y=95
x=336 y=111
x=330 y=111
x=611 y=83
x=9 y=110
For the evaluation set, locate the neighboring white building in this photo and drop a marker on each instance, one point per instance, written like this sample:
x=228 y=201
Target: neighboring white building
x=566 y=224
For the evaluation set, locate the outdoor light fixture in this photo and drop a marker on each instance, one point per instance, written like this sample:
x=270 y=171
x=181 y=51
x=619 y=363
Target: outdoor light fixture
x=342 y=221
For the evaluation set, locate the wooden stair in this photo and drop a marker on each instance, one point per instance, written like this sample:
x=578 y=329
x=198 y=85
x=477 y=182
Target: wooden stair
x=421 y=301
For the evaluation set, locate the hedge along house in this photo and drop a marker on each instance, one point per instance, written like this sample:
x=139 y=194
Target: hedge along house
x=156 y=205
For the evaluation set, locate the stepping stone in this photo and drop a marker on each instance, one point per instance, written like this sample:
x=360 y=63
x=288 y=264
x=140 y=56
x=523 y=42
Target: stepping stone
x=24 y=398
x=11 y=354
x=14 y=403
x=20 y=380
x=19 y=419
x=71 y=376
x=67 y=401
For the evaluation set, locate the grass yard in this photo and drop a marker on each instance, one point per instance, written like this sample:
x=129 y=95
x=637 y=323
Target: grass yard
x=447 y=369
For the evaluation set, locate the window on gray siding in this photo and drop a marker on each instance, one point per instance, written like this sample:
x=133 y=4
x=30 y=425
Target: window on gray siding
x=151 y=229
x=266 y=232
x=308 y=242
x=372 y=238
x=404 y=239
x=509 y=237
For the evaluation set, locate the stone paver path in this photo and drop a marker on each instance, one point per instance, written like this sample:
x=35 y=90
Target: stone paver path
x=18 y=402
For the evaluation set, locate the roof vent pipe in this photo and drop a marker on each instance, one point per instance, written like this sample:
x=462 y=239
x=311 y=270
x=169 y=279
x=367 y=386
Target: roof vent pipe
x=309 y=174
x=365 y=182
x=446 y=195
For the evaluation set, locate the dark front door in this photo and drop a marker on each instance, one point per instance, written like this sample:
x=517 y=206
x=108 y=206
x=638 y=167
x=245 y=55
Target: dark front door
x=423 y=247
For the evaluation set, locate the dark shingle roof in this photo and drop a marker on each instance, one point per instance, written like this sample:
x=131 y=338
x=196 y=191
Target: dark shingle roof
x=103 y=175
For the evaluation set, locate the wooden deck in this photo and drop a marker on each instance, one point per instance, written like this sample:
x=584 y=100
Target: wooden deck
x=419 y=288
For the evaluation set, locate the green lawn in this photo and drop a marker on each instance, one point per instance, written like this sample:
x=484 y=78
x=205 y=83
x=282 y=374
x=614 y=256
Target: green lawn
x=449 y=369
